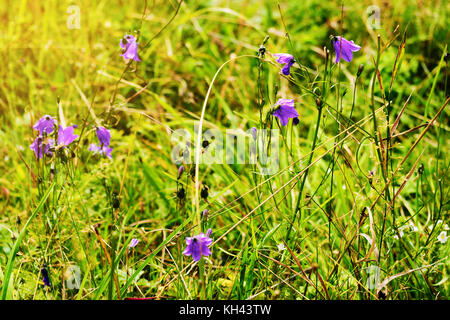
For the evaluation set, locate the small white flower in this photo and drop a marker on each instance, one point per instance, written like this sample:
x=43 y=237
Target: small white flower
x=401 y=234
x=442 y=237
x=412 y=227
x=281 y=247
x=446 y=228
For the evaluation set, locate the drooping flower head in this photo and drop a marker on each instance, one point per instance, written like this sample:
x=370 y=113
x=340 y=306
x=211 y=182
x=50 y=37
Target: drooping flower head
x=66 y=136
x=103 y=151
x=45 y=277
x=104 y=136
x=198 y=245
x=133 y=243
x=41 y=147
x=285 y=110
x=344 y=49
x=45 y=125
x=129 y=45
x=287 y=60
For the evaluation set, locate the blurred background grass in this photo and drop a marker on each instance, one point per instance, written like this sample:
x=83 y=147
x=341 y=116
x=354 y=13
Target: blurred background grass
x=43 y=59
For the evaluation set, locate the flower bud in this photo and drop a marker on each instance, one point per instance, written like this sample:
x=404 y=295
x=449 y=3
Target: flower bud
x=181 y=193
x=360 y=70
x=180 y=171
x=204 y=193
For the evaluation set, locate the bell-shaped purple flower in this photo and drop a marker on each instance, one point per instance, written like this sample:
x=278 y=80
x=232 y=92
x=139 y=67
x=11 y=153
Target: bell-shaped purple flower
x=287 y=60
x=285 y=110
x=45 y=277
x=41 y=147
x=198 y=245
x=344 y=49
x=130 y=46
x=103 y=150
x=104 y=136
x=133 y=243
x=45 y=125
x=66 y=136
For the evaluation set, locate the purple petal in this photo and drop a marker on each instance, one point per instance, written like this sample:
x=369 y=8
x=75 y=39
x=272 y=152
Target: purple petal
x=133 y=243
x=344 y=49
x=283 y=57
x=196 y=250
x=205 y=250
x=66 y=136
x=45 y=124
x=104 y=136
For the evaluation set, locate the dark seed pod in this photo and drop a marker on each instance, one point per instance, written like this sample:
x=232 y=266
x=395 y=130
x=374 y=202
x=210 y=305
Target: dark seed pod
x=262 y=51
x=204 y=193
x=319 y=103
x=421 y=169
x=381 y=295
x=45 y=277
x=115 y=200
x=205 y=143
x=181 y=193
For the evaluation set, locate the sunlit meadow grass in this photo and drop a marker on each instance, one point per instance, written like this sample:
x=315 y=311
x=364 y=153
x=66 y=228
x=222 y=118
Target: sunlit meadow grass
x=354 y=211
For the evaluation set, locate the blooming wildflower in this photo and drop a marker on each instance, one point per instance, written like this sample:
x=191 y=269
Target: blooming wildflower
x=198 y=245
x=281 y=246
x=130 y=46
x=442 y=237
x=104 y=136
x=66 y=136
x=286 y=59
x=348 y=47
x=45 y=277
x=133 y=243
x=285 y=110
x=412 y=227
x=104 y=150
x=45 y=125
x=40 y=148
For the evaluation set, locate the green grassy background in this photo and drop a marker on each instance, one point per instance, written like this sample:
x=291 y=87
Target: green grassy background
x=42 y=59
